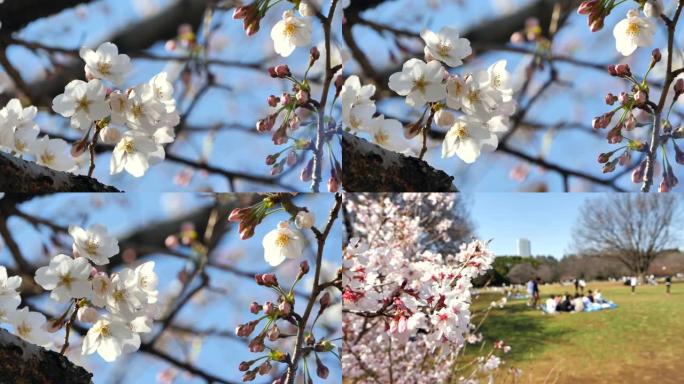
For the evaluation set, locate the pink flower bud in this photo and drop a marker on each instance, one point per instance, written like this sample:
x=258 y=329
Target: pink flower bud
x=657 y=56
x=244 y=366
x=623 y=70
x=273 y=101
x=282 y=71
x=265 y=368
x=679 y=86
x=623 y=98
x=254 y=308
x=612 y=71
x=640 y=97
x=610 y=99
x=274 y=333
x=638 y=173
x=333 y=185
x=284 y=307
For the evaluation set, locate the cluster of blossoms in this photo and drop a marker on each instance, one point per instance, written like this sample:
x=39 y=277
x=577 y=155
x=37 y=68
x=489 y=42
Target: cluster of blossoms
x=484 y=98
x=139 y=121
x=119 y=306
x=277 y=316
x=294 y=109
x=637 y=107
x=19 y=136
x=399 y=292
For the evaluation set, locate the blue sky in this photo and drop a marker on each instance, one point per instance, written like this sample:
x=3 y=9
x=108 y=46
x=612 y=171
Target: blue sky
x=122 y=214
x=546 y=219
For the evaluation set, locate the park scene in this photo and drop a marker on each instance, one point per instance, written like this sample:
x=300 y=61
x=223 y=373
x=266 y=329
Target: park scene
x=562 y=288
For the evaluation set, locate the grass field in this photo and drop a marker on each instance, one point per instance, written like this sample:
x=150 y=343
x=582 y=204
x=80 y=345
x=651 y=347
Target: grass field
x=642 y=341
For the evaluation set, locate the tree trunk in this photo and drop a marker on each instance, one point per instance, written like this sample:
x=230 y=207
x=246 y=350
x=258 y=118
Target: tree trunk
x=370 y=168
x=25 y=363
x=21 y=176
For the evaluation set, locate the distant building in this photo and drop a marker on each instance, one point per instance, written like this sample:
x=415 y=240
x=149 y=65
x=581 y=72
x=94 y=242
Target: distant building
x=524 y=248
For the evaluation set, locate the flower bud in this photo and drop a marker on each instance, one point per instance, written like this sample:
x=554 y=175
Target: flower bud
x=245 y=365
x=265 y=368
x=304 y=220
x=267 y=279
x=664 y=186
x=321 y=370
x=249 y=376
x=656 y=55
x=306 y=9
x=611 y=70
x=679 y=87
x=623 y=70
x=638 y=173
x=630 y=122
x=333 y=185
x=586 y=7
x=254 y=308
x=273 y=101
x=302 y=97
x=623 y=98
x=282 y=71
x=324 y=301
x=307 y=171
x=256 y=345
x=611 y=99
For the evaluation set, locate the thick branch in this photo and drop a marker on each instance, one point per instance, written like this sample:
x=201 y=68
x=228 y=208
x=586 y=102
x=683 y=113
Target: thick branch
x=22 y=362
x=370 y=168
x=15 y=14
x=21 y=176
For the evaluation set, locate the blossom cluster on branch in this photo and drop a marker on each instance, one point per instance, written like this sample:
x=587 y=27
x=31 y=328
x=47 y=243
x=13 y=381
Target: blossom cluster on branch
x=139 y=121
x=484 y=99
x=115 y=307
x=406 y=305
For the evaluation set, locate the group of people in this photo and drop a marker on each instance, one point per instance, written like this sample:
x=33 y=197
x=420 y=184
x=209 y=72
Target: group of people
x=576 y=303
x=567 y=302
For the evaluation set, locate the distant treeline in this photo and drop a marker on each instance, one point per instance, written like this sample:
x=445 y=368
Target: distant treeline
x=518 y=269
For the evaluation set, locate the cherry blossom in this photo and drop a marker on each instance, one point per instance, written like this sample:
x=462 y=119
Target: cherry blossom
x=446 y=46
x=66 y=278
x=83 y=102
x=132 y=154
x=94 y=244
x=420 y=82
x=108 y=337
x=290 y=32
x=106 y=63
x=52 y=153
x=632 y=32
x=467 y=138
x=282 y=243
x=30 y=326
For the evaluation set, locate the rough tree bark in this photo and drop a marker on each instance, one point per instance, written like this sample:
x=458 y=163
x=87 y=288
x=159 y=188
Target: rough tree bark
x=21 y=176
x=370 y=168
x=25 y=363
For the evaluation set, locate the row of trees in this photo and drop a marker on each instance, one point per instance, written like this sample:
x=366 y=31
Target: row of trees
x=518 y=270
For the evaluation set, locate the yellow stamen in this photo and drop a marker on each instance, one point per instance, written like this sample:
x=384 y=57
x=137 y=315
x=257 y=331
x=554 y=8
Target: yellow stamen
x=381 y=137
x=23 y=330
x=47 y=158
x=104 y=68
x=290 y=29
x=66 y=281
x=420 y=85
x=282 y=240
x=633 y=29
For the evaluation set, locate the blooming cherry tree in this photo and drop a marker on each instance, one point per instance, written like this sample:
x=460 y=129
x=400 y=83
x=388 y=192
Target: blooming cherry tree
x=404 y=301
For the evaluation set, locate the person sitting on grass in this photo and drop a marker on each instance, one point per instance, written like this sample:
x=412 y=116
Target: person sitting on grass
x=578 y=303
x=566 y=303
x=598 y=297
x=590 y=296
x=551 y=305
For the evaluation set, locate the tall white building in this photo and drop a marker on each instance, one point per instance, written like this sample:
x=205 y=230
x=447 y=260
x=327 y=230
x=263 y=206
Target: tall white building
x=524 y=248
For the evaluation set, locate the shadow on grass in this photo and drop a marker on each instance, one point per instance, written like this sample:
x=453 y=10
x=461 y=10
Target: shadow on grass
x=528 y=331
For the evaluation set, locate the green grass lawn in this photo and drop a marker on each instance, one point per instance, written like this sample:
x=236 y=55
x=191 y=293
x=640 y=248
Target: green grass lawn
x=641 y=341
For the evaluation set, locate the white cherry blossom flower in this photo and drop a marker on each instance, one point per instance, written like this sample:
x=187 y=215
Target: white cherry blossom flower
x=122 y=298
x=632 y=32
x=282 y=243
x=30 y=326
x=106 y=63
x=419 y=82
x=131 y=154
x=446 y=46
x=52 y=153
x=102 y=287
x=143 y=108
x=163 y=90
x=480 y=99
x=389 y=134
x=499 y=78
x=8 y=287
x=455 y=87
x=24 y=139
x=357 y=106
x=94 y=244
x=146 y=282
x=467 y=138
x=67 y=278
x=290 y=32
x=107 y=337
x=82 y=102
x=18 y=116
